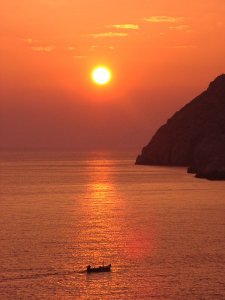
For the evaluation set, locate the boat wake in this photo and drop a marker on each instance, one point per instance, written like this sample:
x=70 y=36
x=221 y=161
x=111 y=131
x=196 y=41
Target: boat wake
x=37 y=276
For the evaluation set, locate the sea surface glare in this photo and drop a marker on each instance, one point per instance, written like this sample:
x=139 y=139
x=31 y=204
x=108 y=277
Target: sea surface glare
x=162 y=230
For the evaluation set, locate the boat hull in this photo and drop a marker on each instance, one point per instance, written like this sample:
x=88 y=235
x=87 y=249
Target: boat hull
x=99 y=269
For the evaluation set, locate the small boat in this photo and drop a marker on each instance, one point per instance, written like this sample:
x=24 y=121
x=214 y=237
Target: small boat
x=99 y=269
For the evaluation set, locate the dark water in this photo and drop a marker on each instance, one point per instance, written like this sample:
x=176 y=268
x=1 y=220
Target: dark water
x=162 y=230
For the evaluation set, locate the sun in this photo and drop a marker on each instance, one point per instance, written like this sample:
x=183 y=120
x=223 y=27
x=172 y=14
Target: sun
x=101 y=75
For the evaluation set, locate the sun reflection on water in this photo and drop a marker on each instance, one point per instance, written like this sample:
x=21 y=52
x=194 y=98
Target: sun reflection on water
x=101 y=208
x=107 y=235
x=100 y=190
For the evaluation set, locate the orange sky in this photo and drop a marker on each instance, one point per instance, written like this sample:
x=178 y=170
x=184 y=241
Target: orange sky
x=161 y=53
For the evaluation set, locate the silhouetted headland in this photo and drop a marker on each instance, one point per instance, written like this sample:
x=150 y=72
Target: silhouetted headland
x=194 y=136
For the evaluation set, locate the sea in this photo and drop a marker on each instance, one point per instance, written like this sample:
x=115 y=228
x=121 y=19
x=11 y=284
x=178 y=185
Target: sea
x=163 y=230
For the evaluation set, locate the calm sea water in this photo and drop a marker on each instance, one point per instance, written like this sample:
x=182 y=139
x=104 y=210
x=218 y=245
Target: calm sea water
x=162 y=230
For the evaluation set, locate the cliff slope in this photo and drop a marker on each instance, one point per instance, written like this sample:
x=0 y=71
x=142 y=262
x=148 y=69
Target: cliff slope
x=194 y=136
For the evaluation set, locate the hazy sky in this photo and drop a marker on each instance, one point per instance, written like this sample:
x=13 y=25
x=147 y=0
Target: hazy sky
x=162 y=54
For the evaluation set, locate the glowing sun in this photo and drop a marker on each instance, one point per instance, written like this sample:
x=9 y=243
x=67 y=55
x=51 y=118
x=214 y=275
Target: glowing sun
x=101 y=75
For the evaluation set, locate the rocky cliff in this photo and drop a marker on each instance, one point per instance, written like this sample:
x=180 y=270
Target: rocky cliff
x=194 y=136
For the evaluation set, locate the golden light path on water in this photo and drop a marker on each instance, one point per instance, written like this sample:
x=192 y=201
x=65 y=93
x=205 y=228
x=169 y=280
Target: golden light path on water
x=106 y=210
